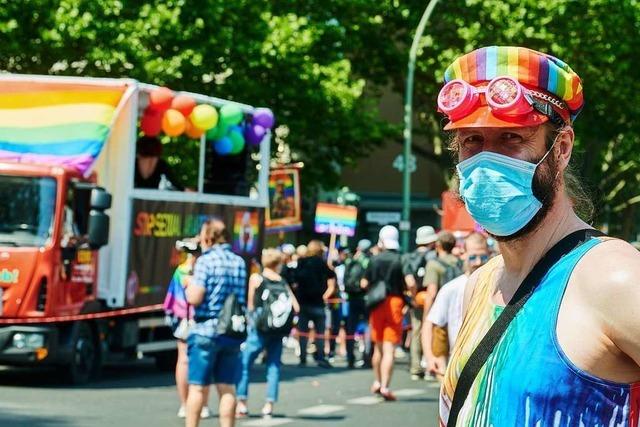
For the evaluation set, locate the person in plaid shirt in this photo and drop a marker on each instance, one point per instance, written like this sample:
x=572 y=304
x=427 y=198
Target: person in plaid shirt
x=218 y=272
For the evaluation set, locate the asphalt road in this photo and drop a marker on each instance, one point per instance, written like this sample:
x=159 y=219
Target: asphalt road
x=138 y=395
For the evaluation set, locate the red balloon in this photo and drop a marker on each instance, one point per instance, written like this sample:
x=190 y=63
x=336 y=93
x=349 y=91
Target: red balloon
x=160 y=99
x=151 y=123
x=184 y=104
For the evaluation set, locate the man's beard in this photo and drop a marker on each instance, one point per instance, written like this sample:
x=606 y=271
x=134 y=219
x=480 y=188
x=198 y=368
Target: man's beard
x=544 y=189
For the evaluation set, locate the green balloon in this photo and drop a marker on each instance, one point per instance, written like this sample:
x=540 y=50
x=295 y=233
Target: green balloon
x=217 y=132
x=237 y=140
x=230 y=114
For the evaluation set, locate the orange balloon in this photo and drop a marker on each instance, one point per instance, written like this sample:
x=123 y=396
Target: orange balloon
x=421 y=297
x=160 y=99
x=151 y=123
x=173 y=122
x=192 y=131
x=184 y=104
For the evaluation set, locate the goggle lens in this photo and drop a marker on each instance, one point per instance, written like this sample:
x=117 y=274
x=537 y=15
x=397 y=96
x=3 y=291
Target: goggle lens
x=503 y=91
x=452 y=95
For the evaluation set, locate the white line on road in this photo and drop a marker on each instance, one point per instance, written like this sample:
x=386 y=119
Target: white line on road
x=367 y=400
x=408 y=392
x=320 y=410
x=268 y=422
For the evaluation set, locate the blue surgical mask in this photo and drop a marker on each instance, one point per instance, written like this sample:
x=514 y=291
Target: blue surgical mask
x=498 y=191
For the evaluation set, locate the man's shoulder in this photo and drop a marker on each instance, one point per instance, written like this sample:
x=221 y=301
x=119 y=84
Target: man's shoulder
x=610 y=268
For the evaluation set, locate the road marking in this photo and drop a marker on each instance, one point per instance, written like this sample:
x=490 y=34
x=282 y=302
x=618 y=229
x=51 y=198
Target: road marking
x=268 y=422
x=320 y=410
x=408 y=392
x=367 y=400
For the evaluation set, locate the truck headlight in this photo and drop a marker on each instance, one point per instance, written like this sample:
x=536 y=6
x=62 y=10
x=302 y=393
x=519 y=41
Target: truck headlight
x=28 y=340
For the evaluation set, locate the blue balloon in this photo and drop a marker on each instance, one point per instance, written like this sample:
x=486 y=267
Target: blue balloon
x=223 y=146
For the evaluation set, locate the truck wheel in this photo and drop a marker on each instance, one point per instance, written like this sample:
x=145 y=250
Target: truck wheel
x=166 y=360
x=85 y=357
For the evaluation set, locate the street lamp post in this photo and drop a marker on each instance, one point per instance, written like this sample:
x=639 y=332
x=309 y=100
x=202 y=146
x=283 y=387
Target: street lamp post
x=408 y=111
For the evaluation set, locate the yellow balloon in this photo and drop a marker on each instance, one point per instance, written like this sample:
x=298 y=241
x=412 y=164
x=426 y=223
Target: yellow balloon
x=204 y=117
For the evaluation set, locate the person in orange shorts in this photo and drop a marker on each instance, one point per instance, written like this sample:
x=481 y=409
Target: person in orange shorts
x=385 y=320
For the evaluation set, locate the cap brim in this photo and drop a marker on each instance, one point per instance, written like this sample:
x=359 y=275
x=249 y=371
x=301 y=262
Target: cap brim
x=483 y=117
x=426 y=241
x=390 y=244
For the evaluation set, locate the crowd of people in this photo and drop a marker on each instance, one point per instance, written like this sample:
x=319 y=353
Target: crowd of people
x=366 y=306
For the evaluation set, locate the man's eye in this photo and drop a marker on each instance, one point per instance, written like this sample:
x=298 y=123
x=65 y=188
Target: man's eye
x=472 y=139
x=511 y=137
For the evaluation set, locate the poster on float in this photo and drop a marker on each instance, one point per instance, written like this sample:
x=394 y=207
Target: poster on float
x=284 y=212
x=157 y=225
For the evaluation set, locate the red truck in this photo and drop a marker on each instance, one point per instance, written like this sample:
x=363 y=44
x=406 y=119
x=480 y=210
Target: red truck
x=85 y=258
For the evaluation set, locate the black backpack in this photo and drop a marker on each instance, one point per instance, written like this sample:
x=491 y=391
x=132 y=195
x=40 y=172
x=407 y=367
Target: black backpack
x=232 y=322
x=416 y=262
x=353 y=274
x=274 y=307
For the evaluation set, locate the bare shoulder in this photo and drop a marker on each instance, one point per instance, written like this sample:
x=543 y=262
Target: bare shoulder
x=473 y=280
x=255 y=280
x=611 y=268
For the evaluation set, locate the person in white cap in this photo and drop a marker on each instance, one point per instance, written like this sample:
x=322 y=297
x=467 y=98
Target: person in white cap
x=413 y=268
x=385 y=287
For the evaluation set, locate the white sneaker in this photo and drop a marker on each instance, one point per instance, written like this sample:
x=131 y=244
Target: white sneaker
x=205 y=413
x=182 y=412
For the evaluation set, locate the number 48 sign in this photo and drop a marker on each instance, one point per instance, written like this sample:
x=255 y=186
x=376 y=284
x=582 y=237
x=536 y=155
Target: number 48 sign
x=398 y=163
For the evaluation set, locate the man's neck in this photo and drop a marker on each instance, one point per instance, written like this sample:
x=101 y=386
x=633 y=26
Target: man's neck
x=521 y=255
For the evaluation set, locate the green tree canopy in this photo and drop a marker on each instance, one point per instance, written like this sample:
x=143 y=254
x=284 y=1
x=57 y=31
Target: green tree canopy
x=321 y=65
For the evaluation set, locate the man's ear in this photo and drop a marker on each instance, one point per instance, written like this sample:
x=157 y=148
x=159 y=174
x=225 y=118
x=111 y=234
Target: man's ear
x=564 y=148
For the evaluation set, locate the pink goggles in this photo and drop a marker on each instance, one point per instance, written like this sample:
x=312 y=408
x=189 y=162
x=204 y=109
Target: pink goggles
x=504 y=95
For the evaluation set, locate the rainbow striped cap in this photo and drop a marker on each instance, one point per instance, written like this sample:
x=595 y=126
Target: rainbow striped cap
x=529 y=67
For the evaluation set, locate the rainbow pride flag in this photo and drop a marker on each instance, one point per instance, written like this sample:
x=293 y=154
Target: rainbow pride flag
x=336 y=219
x=61 y=122
x=175 y=302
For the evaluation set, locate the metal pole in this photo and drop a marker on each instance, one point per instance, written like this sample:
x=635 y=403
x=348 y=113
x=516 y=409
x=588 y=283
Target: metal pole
x=408 y=111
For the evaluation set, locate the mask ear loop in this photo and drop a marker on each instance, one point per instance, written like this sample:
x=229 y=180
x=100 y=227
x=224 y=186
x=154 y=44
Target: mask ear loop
x=548 y=151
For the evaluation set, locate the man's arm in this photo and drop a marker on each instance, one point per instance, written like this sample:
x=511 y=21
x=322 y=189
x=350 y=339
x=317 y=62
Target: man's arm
x=430 y=282
x=436 y=316
x=331 y=288
x=196 y=285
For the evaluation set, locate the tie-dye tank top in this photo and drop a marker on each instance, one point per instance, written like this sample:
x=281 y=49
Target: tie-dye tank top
x=528 y=380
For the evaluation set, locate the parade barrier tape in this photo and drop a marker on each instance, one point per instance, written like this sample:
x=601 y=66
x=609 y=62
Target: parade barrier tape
x=297 y=332
x=75 y=317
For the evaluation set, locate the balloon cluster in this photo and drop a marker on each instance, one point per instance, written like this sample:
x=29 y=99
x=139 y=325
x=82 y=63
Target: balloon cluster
x=227 y=129
x=231 y=135
x=175 y=115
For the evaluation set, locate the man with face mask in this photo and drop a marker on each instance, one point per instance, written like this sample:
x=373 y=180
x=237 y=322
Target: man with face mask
x=446 y=310
x=571 y=354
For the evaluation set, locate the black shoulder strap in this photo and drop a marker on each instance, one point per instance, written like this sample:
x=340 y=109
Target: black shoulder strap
x=480 y=355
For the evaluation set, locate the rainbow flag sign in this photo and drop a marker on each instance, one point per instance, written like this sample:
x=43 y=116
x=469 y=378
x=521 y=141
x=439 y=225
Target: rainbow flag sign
x=246 y=229
x=336 y=219
x=57 y=122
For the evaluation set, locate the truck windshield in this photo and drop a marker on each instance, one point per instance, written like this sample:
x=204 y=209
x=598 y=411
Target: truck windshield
x=26 y=210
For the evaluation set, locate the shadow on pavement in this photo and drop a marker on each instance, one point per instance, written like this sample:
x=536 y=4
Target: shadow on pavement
x=21 y=420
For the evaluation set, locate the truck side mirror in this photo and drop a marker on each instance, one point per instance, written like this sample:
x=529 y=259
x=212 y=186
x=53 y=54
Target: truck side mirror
x=98 y=229
x=100 y=199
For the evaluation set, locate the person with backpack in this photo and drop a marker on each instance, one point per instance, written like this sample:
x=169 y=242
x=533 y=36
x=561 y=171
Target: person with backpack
x=384 y=283
x=439 y=271
x=316 y=283
x=217 y=292
x=353 y=274
x=414 y=268
x=271 y=307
